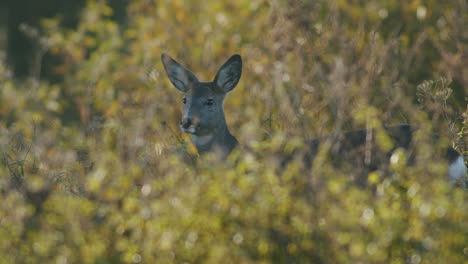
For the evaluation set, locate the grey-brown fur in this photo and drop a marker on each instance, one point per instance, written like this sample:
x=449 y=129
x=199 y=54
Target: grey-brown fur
x=203 y=117
x=203 y=113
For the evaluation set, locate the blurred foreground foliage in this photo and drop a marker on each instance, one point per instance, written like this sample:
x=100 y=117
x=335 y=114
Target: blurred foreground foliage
x=95 y=170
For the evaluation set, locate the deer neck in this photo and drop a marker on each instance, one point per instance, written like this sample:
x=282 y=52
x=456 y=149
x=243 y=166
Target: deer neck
x=220 y=141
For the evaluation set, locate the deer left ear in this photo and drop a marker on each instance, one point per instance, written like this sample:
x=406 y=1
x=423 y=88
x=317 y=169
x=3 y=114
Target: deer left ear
x=181 y=78
x=229 y=74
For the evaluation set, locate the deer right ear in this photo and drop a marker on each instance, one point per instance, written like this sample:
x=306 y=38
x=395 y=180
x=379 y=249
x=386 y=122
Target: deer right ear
x=229 y=74
x=180 y=77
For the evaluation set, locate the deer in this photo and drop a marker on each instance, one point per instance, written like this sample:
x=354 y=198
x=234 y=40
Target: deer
x=203 y=117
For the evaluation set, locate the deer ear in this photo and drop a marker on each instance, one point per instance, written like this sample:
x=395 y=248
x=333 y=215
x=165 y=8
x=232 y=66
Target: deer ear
x=229 y=74
x=180 y=77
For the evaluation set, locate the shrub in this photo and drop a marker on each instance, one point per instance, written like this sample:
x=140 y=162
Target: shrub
x=95 y=170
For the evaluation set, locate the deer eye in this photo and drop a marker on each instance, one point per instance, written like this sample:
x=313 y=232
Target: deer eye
x=184 y=100
x=209 y=102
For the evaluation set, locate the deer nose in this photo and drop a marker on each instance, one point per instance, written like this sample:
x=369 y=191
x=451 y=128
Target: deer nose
x=186 y=122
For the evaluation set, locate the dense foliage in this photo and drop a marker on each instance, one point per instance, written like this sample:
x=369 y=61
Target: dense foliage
x=95 y=170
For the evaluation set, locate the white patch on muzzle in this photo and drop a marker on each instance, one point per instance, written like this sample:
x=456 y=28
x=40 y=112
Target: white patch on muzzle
x=191 y=130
